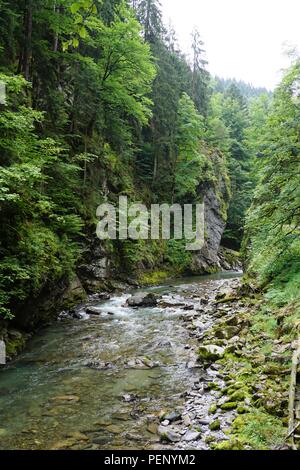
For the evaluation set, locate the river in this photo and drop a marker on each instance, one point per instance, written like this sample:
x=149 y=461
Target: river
x=87 y=384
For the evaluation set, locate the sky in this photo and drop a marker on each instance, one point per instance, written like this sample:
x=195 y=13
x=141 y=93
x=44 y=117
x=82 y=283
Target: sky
x=244 y=39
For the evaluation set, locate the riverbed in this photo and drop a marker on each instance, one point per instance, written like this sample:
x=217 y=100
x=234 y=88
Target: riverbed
x=105 y=381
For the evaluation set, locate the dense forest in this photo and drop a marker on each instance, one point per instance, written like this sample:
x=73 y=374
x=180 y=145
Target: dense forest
x=101 y=102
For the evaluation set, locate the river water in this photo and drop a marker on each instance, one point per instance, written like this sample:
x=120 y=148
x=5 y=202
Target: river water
x=83 y=384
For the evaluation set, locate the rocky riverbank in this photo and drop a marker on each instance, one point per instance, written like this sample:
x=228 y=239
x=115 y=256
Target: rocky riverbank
x=240 y=396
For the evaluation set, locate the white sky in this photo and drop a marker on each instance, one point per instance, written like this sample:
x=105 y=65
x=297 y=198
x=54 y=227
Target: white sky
x=244 y=39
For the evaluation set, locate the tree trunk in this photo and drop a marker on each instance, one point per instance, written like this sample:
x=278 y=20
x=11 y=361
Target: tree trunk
x=27 y=48
x=55 y=42
x=147 y=21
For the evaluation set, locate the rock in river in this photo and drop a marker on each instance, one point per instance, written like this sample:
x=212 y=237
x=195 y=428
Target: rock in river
x=142 y=300
x=66 y=398
x=93 y=310
x=128 y=398
x=167 y=435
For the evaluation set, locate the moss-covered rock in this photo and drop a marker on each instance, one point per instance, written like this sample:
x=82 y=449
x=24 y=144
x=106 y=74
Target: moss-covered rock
x=210 y=353
x=213 y=409
x=231 y=444
x=229 y=405
x=15 y=343
x=215 y=425
x=212 y=386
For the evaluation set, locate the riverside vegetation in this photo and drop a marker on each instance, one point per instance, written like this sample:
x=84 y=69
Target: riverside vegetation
x=100 y=102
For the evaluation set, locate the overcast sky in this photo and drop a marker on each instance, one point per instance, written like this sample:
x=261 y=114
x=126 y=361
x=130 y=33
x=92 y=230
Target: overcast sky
x=244 y=39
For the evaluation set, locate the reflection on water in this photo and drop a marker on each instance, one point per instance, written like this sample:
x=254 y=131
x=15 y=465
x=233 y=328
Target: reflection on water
x=85 y=384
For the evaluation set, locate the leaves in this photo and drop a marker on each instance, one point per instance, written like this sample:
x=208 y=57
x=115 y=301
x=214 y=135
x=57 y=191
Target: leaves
x=274 y=218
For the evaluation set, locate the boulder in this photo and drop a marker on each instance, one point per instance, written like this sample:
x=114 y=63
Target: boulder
x=167 y=435
x=191 y=436
x=215 y=425
x=93 y=310
x=129 y=398
x=171 y=417
x=142 y=300
x=210 y=353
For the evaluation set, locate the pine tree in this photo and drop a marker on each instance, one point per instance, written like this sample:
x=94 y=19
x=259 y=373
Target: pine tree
x=200 y=76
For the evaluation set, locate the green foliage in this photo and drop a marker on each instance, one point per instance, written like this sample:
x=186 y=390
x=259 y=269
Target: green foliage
x=228 y=123
x=259 y=430
x=273 y=222
x=190 y=161
x=177 y=256
x=102 y=103
x=36 y=221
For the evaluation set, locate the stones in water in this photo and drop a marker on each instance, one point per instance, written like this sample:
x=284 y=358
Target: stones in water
x=78 y=436
x=142 y=363
x=93 y=310
x=129 y=398
x=66 y=398
x=3 y=432
x=152 y=428
x=167 y=435
x=114 y=429
x=100 y=365
x=73 y=439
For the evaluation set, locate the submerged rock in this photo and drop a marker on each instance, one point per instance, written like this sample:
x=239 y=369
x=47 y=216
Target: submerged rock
x=99 y=365
x=167 y=435
x=114 y=429
x=66 y=398
x=128 y=398
x=141 y=363
x=152 y=428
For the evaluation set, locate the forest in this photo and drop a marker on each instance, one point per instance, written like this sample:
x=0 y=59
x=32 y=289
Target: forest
x=100 y=102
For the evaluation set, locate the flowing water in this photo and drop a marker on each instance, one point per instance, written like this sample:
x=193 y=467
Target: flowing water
x=82 y=384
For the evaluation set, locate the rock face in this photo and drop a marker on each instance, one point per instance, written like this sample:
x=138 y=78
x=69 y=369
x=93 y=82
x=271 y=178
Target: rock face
x=97 y=267
x=142 y=300
x=44 y=307
x=216 y=197
x=208 y=258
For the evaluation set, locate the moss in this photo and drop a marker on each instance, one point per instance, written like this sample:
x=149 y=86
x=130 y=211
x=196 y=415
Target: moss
x=153 y=278
x=242 y=410
x=213 y=386
x=15 y=345
x=231 y=257
x=210 y=353
x=239 y=395
x=213 y=409
x=231 y=444
x=229 y=405
x=215 y=425
x=259 y=430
